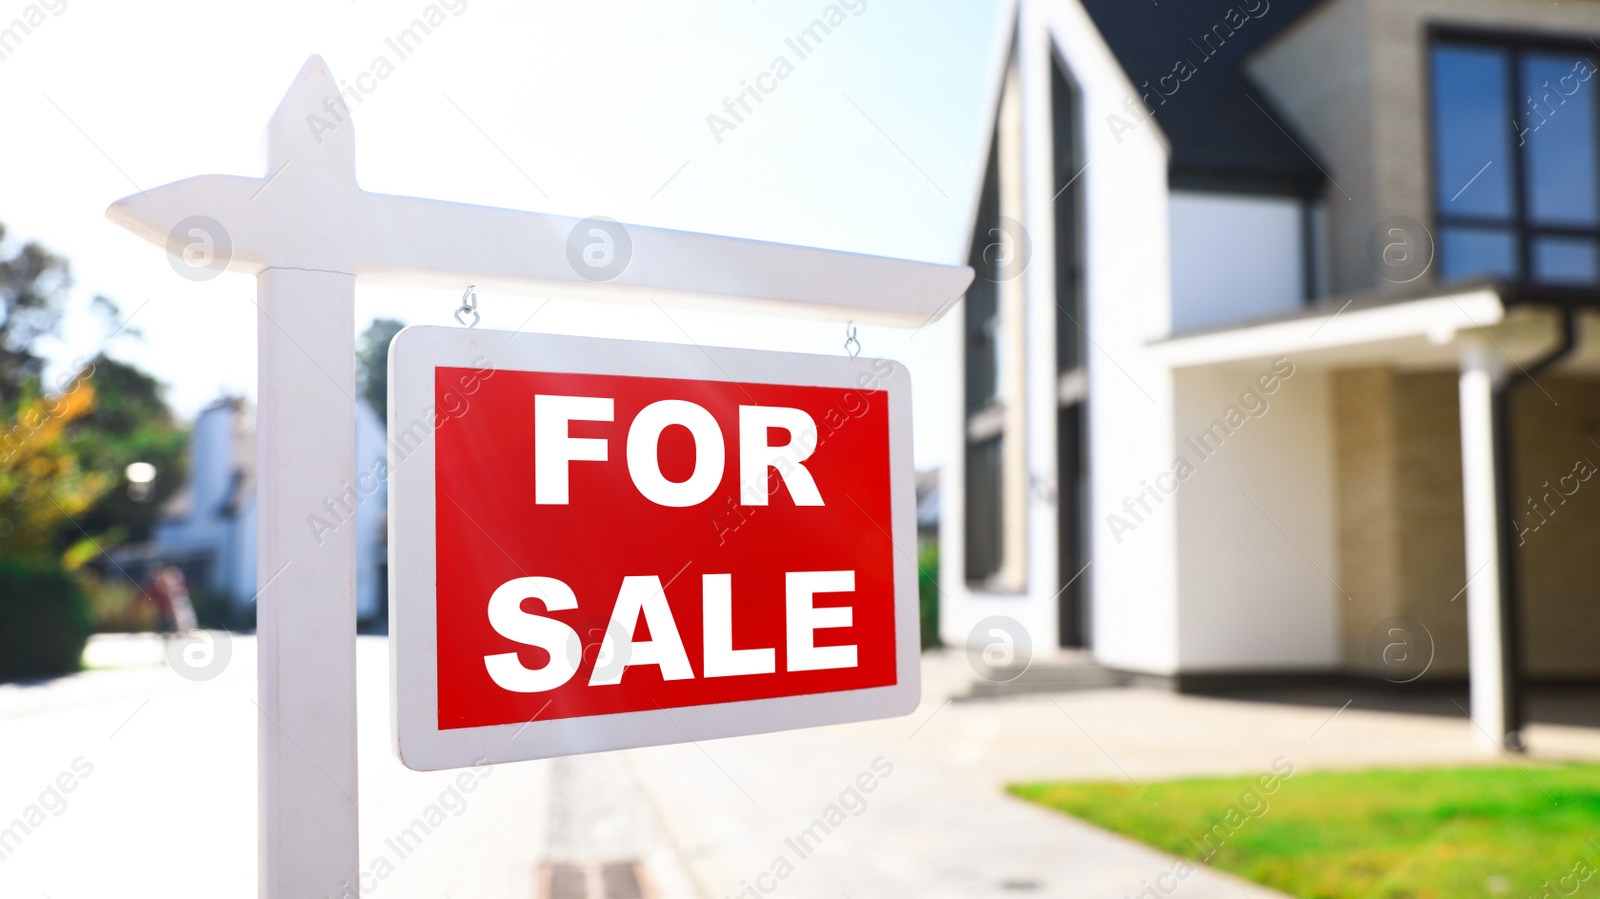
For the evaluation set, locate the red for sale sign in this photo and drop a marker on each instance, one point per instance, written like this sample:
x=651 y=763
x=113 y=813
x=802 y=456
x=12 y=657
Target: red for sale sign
x=598 y=544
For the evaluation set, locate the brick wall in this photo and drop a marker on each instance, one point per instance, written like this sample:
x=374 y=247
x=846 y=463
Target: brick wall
x=1560 y=570
x=1318 y=75
x=1351 y=77
x=1399 y=506
x=1365 y=483
x=1432 y=527
x=1401 y=546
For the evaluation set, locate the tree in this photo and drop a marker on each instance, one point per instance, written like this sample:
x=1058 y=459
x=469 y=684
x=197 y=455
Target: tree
x=43 y=486
x=63 y=449
x=31 y=284
x=129 y=422
x=372 y=364
x=64 y=446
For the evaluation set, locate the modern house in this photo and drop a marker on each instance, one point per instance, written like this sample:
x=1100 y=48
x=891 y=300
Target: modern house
x=209 y=527
x=1279 y=360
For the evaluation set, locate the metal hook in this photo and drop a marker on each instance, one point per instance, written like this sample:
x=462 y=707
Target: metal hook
x=469 y=303
x=851 y=344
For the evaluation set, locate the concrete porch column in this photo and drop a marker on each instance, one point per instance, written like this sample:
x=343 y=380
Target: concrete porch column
x=1481 y=369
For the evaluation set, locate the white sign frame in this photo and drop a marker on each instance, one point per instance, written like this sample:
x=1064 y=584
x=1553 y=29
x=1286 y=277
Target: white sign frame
x=418 y=740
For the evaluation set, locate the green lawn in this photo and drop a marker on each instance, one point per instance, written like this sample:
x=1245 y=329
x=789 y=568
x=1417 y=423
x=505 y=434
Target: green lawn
x=1439 y=832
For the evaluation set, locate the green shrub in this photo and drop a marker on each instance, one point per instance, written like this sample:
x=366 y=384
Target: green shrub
x=928 y=592
x=44 y=621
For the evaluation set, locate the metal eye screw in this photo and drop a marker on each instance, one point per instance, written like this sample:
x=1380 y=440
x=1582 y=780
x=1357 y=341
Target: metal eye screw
x=469 y=304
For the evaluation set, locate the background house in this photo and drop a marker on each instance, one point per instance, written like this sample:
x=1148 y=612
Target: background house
x=1255 y=365
x=209 y=527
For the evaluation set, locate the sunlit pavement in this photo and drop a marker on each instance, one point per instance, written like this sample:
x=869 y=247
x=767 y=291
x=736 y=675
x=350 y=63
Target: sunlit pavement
x=169 y=808
x=939 y=823
x=908 y=807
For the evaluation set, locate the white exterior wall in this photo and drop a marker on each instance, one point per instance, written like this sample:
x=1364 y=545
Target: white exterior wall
x=1132 y=595
x=241 y=554
x=203 y=528
x=961 y=607
x=1256 y=583
x=233 y=540
x=210 y=473
x=1035 y=57
x=1234 y=258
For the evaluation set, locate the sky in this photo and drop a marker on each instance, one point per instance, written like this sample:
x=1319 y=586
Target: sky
x=871 y=145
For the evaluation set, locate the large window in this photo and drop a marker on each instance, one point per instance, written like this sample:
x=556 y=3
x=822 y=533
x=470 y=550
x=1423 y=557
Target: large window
x=1517 y=160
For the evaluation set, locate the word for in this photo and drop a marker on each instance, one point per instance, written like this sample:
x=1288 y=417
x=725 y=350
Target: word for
x=451 y=801
x=1252 y=404
x=1582 y=71
x=1582 y=471
x=554 y=449
x=1141 y=111
x=1251 y=804
x=32 y=16
x=453 y=404
x=48 y=408
x=803 y=45
x=852 y=803
x=52 y=801
x=403 y=44
x=851 y=406
x=644 y=595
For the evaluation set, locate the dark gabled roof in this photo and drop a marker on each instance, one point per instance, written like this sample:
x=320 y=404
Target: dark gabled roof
x=1220 y=139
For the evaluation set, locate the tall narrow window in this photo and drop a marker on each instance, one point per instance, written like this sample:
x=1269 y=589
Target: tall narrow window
x=983 y=523
x=982 y=305
x=1516 y=129
x=983 y=488
x=995 y=418
x=1067 y=166
x=1072 y=607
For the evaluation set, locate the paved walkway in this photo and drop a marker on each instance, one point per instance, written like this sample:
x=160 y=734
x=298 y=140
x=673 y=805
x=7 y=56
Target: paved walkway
x=940 y=825
x=169 y=808
x=909 y=807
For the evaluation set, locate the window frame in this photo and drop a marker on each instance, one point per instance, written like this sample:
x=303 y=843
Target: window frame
x=1524 y=232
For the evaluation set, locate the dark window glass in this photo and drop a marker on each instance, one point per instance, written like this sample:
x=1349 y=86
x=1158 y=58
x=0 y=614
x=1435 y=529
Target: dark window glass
x=983 y=509
x=1069 y=246
x=1477 y=252
x=982 y=301
x=1565 y=260
x=1517 y=161
x=1559 y=144
x=1071 y=462
x=982 y=487
x=1472 y=130
x=1072 y=510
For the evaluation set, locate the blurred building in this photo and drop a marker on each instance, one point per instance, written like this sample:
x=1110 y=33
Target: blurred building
x=927 y=488
x=209 y=527
x=1255 y=366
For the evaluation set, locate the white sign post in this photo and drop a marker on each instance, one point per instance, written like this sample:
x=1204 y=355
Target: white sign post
x=308 y=233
